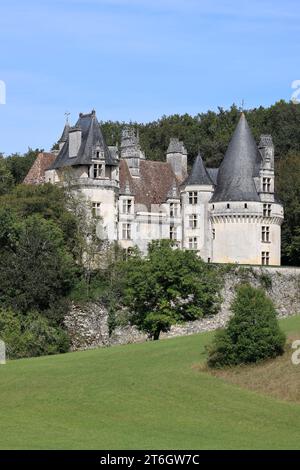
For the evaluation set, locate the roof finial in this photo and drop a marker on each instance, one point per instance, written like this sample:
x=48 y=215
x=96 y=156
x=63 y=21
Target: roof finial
x=67 y=114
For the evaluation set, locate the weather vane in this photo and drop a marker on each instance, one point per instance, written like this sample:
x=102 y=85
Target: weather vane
x=67 y=114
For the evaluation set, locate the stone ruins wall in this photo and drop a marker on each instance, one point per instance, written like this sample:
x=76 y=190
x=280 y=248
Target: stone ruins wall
x=88 y=324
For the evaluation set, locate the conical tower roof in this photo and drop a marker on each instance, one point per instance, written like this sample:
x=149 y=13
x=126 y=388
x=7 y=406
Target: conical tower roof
x=199 y=174
x=235 y=178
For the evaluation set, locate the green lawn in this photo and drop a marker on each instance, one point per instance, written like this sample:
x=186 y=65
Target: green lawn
x=138 y=396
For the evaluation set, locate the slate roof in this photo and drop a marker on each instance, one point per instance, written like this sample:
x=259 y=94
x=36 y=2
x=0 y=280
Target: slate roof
x=91 y=136
x=36 y=174
x=65 y=134
x=213 y=173
x=241 y=163
x=153 y=186
x=199 y=174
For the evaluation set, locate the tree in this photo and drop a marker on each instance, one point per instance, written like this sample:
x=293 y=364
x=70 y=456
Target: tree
x=288 y=187
x=30 y=335
x=37 y=270
x=252 y=333
x=167 y=287
x=6 y=178
x=48 y=201
x=19 y=165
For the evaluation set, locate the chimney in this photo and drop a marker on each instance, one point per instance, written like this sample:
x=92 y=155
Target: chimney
x=177 y=158
x=131 y=150
x=266 y=148
x=74 y=141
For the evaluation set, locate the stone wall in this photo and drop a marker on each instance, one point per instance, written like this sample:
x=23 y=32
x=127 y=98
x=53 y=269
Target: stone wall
x=88 y=324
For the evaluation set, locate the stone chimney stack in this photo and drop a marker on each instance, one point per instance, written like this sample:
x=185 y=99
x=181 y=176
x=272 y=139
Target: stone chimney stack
x=177 y=158
x=75 y=135
x=131 y=150
x=266 y=148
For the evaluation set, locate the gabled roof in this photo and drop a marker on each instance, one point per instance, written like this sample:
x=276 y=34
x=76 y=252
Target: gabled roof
x=36 y=174
x=241 y=163
x=154 y=184
x=91 y=136
x=199 y=174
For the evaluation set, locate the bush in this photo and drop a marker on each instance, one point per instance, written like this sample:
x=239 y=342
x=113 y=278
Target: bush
x=31 y=335
x=252 y=334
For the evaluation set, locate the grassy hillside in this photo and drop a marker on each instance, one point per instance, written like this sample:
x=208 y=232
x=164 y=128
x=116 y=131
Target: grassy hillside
x=138 y=396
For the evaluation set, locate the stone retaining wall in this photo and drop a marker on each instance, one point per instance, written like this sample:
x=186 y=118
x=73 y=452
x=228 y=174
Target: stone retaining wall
x=88 y=324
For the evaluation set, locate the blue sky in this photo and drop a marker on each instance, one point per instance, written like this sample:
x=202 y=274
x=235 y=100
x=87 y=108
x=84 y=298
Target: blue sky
x=139 y=59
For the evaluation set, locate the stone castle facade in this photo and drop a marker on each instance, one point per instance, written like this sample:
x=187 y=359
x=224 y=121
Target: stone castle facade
x=228 y=215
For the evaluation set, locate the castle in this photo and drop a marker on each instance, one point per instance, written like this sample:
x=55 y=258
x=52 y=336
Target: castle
x=227 y=215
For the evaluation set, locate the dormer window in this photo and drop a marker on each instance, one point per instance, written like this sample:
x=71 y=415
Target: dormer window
x=193 y=197
x=98 y=170
x=266 y=185
x=97 y=153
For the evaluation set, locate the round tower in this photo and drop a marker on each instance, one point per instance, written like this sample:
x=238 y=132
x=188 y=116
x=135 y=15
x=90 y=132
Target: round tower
x=245 y=214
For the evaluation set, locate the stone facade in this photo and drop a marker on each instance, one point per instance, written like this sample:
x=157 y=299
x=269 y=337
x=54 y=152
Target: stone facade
x=227 y=215
x=88 y=324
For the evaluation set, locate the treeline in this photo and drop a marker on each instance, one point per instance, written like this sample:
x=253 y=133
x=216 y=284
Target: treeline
x=210 y=132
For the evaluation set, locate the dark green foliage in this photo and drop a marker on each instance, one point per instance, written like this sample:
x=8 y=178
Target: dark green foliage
x=252 y=334
x=288 y=186
x=265 y=280
x=211 y=131
x=37 y=269
x=19 y=165
x=30 y=335
x=48 y=201
x=167 y=287
x=6 y=178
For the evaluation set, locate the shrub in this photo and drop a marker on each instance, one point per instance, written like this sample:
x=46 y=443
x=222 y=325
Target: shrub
x=252 y=334
x=30 y=335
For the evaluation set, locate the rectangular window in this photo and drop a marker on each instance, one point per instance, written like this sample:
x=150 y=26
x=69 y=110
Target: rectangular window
x=126 y=231
x=213 y=233
x=267 y=210
x=265 y=258
x=173 y=233
x=173 y=209
x=193 y=244
x=193 y=197
x=98 y=170
x=265 y=234
x=127 y=206
x=193 y=221
x=96 y=209
x=266 y=185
